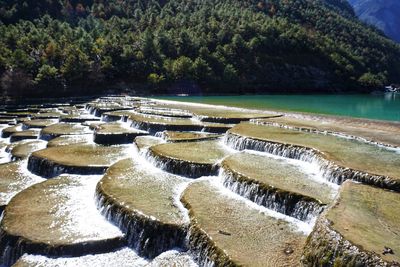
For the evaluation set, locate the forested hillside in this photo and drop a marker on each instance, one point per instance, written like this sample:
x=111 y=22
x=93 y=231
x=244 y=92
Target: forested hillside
x=217 y=46
x=384 y=14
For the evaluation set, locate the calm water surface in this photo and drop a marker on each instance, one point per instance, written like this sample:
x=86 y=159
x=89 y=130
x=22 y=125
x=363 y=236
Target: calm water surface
x=382 y=107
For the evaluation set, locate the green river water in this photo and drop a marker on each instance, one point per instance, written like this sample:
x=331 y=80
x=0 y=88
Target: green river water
x=381 y=107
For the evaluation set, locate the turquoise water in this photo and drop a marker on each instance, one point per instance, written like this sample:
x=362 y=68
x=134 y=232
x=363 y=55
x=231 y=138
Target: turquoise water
x=382 y=107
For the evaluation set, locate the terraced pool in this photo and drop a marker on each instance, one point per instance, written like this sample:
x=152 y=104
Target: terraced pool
x=129 y=181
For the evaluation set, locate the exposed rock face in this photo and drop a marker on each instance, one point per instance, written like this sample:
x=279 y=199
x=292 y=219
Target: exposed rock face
x=383 y=14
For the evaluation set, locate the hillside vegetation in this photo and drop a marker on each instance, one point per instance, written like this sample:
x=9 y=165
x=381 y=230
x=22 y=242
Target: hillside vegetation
x=220 y=46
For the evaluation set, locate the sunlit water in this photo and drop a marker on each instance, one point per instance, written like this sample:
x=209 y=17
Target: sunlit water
x=382 y=107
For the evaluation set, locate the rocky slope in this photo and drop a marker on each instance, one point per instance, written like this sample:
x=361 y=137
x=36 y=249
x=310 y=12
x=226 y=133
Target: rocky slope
x=381 y=13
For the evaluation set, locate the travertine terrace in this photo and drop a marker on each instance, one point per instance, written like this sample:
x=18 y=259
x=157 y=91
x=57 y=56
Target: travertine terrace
x=131 y=181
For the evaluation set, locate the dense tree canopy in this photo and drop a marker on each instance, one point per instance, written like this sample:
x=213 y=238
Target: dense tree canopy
x=219 y=45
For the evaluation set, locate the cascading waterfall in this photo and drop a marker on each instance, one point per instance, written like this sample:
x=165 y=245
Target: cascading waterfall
x=47 y=137
x=48 y=169
x=110 y=118
x=5 y=156
x=215 y=129
x=114 y=117
x=215 y=119
x=330 y=171
x=153 y=128
x=97 y=112
x=327 y=132
x=91 y=110
x=204 y=251
x=148 y=236
x=115 y=138
x=161 y=135
x=288 y=203
x=180 y=167
x=14 y=139
x=203 y=248
x=141 y=126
